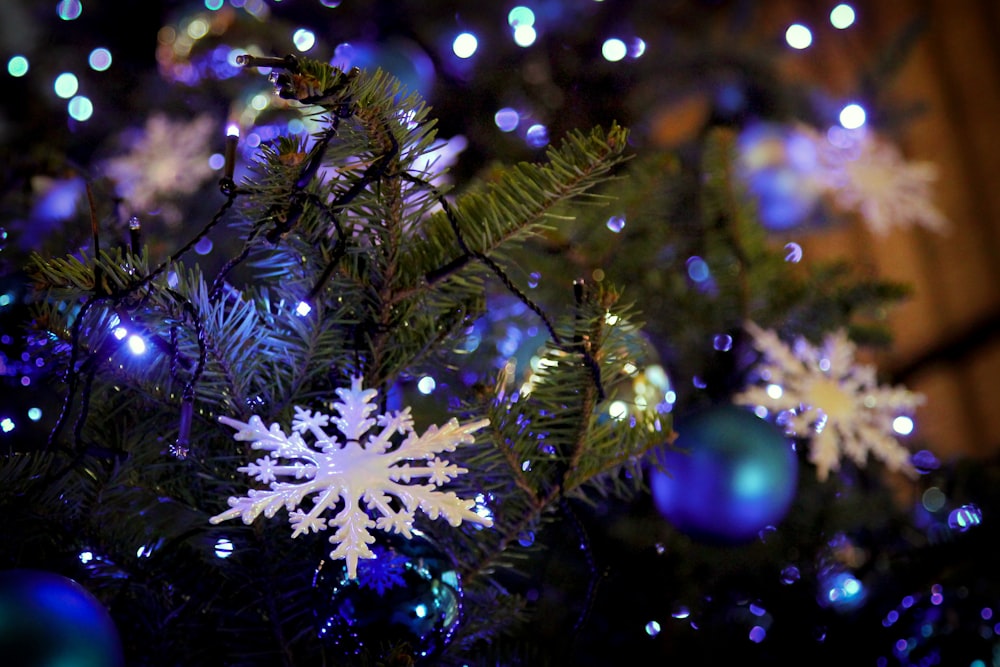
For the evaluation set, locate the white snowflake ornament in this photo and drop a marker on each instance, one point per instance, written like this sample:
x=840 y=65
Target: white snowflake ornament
x=823 y=395
x=868 y=174
x=363 y=476
x=167 y=159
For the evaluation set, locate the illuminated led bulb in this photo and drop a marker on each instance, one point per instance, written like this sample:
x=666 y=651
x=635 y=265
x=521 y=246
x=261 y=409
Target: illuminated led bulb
x=852 y=116
x=136 y=345
x=798 y=36
x=614 y=50
x=232 y=138
x=465 y=45
x=842 y=16
x=66 y=85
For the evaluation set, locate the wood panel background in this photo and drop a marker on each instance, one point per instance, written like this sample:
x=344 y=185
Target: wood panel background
x=947 y=335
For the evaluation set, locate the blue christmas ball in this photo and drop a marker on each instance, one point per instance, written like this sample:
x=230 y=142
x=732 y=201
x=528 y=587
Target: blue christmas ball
x=729 y=475
x=48 y=620
x=408 y=596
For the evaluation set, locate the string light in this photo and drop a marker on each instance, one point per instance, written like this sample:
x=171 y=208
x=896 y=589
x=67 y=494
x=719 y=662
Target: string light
x=136 y=345
x=507 y=119
x=99 y=59
x=798 y=36
x=852 y=116
x=17 y=66
x=66 y=85
x=842 y=16
x=304 y=39
x=465 y=45
x=232 y=138
x=614 y=49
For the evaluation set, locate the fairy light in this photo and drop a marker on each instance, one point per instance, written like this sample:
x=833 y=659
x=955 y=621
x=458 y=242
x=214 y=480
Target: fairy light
x=614 y=49
x=525 y=35
x=17 y=66
x=69 y=10
x=902 y=425
x=80 y=108
x=522 y=20
x=99 y=59
x=223 y=548
x=304 y=39
x=798 y=36
x=66 y=85
x=852 y=116
x=136 y=345
x=507 y=119
x=465 y=45
x=232 y=138
x=842 y=16
x=537 y=135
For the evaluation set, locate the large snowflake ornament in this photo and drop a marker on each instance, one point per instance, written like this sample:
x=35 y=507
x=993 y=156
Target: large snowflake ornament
x=362 y=476
x=822 y=394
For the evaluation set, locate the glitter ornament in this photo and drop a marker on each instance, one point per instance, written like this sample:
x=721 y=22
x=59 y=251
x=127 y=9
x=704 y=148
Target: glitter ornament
x=47 y=619
x=408 y=598
x=728 y=476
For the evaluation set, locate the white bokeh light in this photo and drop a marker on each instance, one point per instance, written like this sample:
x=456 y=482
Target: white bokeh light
x=465 y=45
x=842 y=16
x=614 y=49
x=798 y=36
x=853 y=116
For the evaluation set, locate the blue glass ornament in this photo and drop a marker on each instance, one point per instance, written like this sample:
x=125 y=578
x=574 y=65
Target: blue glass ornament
x=410 y=593
x=729 y=475
x=48 y=620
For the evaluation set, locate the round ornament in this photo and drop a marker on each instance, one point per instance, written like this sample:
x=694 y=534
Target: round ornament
x=48 y=620
x=409 y=594
x=729 y=475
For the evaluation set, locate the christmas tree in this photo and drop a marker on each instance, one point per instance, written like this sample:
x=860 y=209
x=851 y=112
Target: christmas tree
x=382 y=342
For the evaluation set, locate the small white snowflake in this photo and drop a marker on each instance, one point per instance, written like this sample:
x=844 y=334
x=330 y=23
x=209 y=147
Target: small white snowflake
x=359 y=474
x=867 y=174
x=823 y=395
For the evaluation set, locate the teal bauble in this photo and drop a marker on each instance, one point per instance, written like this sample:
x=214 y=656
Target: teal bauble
x=48 y=620
x=729 y=475
x=408 y=596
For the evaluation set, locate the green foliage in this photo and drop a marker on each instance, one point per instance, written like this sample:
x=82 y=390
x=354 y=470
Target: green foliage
x=395 y=272
x=396 y=268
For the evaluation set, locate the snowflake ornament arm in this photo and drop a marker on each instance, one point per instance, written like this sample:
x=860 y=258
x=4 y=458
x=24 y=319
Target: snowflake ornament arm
x=823 y=395
x=364 y=476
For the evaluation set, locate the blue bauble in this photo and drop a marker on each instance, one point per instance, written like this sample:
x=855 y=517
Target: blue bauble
x=729 y=475
x=48 y=620
x=410 y=593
